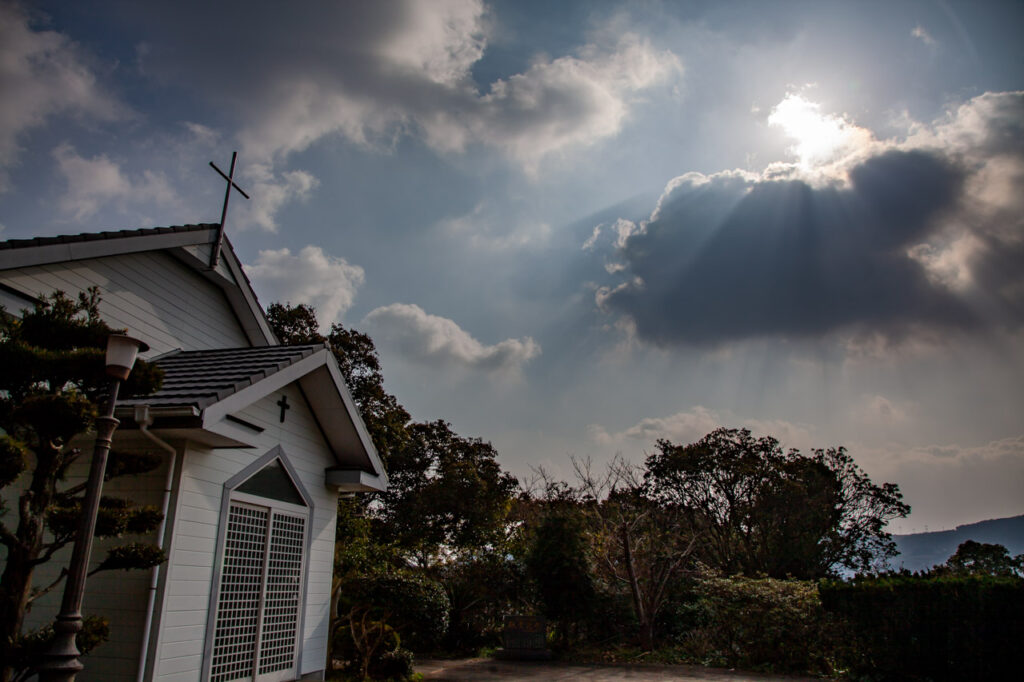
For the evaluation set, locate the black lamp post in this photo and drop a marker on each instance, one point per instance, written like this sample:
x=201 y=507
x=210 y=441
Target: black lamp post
x=60 y=662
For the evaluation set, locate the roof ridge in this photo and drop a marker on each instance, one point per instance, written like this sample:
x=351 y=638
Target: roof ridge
x=254 y=350
x=103 y=234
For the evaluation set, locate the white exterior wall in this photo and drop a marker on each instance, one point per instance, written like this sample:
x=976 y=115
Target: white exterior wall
x=119 y=596
x=157 y=298
x=193 y=546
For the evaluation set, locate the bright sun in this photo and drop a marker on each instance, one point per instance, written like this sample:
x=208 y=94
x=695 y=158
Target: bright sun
x=820 y=138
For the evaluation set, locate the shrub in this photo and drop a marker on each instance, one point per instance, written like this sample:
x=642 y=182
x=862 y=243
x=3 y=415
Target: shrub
x=931 y=627
x=392 y=665
x=415 y=606
x=760 y=623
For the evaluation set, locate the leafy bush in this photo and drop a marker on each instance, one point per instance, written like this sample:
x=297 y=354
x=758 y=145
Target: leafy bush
x=392 y=665
x=415 y=606
x=931 y=627
x=759 y=623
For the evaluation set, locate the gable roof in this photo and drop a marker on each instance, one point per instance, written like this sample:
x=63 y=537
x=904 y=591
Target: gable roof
x=202 y=389
x=185 y=242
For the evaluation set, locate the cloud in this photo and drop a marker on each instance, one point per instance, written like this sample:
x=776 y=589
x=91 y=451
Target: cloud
x=921 y=34
x=924 y=237
x=568 y=102
x=43 y=73
x=99 y=180
x=490 y=229
x=879 y=412
x=588 y=245
x=375 y=72
x=269 y=191
x=311 y=276
x=432 y=339
x=821 y=140
x=439 y=41
x=949 y=484
x=105 y=183
x=694 y=424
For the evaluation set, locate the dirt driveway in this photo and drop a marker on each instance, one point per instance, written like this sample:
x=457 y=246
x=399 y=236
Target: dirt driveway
x=487 y=670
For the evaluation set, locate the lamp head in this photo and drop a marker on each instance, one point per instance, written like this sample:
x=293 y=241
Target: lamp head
x=121 y=353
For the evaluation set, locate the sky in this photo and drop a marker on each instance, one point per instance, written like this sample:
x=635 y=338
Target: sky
x=573 y=228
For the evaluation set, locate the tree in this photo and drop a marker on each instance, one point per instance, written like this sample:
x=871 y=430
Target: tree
x=762 y=510
x=858 y=539
x=445 y=493
x=294 y=325
x=638 y=545
x=385 y=418
x=982 y=558
x=482 y=587
x=51 y=378
x=558 y=565
x=640 y=542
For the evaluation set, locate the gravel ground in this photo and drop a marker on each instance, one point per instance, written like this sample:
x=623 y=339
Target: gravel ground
x=486 y=670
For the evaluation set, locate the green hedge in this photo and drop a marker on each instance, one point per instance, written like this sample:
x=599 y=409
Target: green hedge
x=919 y=627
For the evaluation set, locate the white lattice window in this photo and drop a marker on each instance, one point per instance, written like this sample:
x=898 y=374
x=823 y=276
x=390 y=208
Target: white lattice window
x=257 y=625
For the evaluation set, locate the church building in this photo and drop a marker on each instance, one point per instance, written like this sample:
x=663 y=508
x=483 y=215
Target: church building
x=258 y=441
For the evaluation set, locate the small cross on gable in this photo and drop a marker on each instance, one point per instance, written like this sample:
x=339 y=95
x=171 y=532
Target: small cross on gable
x=283 y=404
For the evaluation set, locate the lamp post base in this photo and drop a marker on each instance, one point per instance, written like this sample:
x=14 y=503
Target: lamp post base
x=61 y=663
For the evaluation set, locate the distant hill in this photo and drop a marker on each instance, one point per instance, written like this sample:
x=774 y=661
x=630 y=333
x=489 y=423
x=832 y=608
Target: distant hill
x=921 y=551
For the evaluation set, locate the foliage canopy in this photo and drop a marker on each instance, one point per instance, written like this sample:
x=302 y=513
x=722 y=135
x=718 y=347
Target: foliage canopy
x=982 y=558
x=760 y=510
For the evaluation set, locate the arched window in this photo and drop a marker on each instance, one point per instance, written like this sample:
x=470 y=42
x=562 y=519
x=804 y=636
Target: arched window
x=255 y=632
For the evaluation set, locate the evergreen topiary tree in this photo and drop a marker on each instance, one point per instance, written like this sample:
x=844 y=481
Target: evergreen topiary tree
x=52 y=376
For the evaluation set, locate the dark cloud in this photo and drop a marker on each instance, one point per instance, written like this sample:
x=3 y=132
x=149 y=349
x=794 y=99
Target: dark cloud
x=729 y=257
x=375 y=71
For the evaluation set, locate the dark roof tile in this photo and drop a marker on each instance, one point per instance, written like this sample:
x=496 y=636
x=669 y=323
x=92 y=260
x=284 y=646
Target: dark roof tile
x=203 y=377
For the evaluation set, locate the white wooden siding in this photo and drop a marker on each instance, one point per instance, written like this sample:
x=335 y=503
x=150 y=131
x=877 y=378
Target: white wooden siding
x=119 y=596
x=203 y=253
x=190 y=577
x=152 y=294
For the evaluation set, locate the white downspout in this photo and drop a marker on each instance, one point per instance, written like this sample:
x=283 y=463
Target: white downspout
x=144 y=418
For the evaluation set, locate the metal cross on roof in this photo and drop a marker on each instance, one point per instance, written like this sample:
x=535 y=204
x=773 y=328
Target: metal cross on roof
x=230 y=177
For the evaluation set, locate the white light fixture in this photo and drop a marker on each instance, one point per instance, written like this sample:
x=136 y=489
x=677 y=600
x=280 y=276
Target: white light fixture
x=121 y=353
